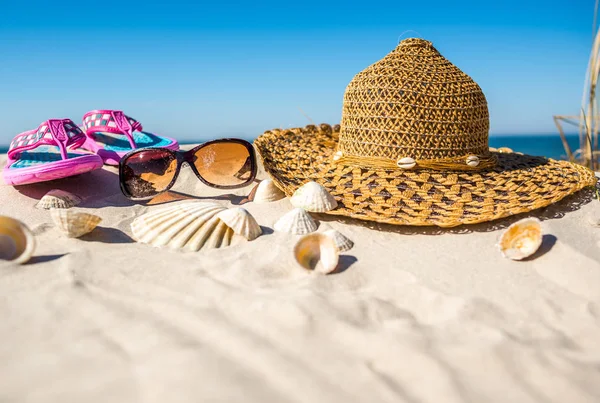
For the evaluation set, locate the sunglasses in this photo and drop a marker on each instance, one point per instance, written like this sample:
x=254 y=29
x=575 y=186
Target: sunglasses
x=223 y=164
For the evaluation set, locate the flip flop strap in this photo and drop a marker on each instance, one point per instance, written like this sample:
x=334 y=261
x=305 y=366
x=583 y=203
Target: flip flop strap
x=110 y=121
x=63 y=133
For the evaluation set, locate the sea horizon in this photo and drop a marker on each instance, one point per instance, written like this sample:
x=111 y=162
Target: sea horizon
x=542 y=144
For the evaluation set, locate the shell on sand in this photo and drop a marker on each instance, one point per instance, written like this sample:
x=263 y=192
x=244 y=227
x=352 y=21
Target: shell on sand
x=58 y=199
x=342 y=242
x=241 y=222
x=297 y=221
x=317 y=252
x=521 y=239
x=73 y=223
x=313 y=197
x=188 y=226
x=266 y=191
x=17 y=243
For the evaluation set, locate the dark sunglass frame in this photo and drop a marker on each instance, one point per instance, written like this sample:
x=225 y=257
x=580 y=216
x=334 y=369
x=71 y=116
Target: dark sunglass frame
x=188 y=156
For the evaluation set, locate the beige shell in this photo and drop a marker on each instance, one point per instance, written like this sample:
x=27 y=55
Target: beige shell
x=521 y=239
x=472 y=160
x=297 y=221
x=313 y=197
x=188 y=226
x=241 y=222
x=17 y=243
x=58 y=199
x=493 y=149
x=317 y=252
x=505 y=150
x=73 y=223
x=266 y=191
x=342 y=242
x=406 y=163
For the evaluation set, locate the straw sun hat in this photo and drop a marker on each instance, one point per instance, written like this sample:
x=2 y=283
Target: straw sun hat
x=412 y=149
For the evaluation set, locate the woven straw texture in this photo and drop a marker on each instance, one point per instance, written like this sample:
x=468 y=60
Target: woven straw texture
x=414 y=103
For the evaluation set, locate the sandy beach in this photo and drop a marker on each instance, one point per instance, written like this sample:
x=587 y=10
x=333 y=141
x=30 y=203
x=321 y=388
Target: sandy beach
x=411 y=315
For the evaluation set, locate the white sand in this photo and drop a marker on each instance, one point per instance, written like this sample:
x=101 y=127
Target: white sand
x=416 y=315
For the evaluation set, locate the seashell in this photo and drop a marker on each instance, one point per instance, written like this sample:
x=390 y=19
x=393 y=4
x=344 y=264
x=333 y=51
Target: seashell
x=317 y=252
x=505 y=150
x=297 y=221
x=17 y=243
x=241 y=222
x=521 y=239
x=337 y=155
x=406 y=163
x=493 y=149
x=342 y=242
x=74 y=223
x=189 y=226
x=266 y=191
x=58 y=199
x=472 y=160
x=336 y=128
x=313 y=197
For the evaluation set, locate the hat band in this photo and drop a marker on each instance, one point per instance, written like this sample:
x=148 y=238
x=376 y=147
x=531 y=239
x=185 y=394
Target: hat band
x=465 y=163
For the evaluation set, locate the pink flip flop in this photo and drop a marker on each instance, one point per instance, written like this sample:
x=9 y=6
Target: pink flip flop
x=48 y=153
x=112 y=134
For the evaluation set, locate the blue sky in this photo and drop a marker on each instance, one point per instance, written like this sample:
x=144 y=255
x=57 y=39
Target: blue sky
x=196 y=70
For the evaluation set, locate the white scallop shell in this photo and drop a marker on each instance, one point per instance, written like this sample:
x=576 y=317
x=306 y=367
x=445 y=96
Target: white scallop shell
x=266 y=191
x=189 y=226
x=241 y=222
x=73 y=223
x=472 y=160
x=17 y=243
x=313 y=197
x=297 y=221
x=58 y=199
x=342 y=242
x=521 y=239
x=406 y=163
x=317 y=252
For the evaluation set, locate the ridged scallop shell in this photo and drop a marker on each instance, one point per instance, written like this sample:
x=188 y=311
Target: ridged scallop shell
x=521 y=239
x=17 y=243
x=317 y=252
x=73 y=223
x=342 y=242
x=58 y=199
x=266 y=192
x=313 y=197
x=189 y=226
x=241 y=222
x=297 y=221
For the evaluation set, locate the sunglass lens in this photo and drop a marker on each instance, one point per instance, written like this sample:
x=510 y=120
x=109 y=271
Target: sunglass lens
x=148 y=172
x=225 y=163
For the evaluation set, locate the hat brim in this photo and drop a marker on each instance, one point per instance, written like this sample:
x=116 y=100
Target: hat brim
x=519 y=183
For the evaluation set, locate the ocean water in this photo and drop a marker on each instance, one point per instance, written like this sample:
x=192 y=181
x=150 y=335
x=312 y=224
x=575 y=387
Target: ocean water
x=547 y=145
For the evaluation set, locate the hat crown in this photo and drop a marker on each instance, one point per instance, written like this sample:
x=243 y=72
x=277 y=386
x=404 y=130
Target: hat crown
x=415 y=104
